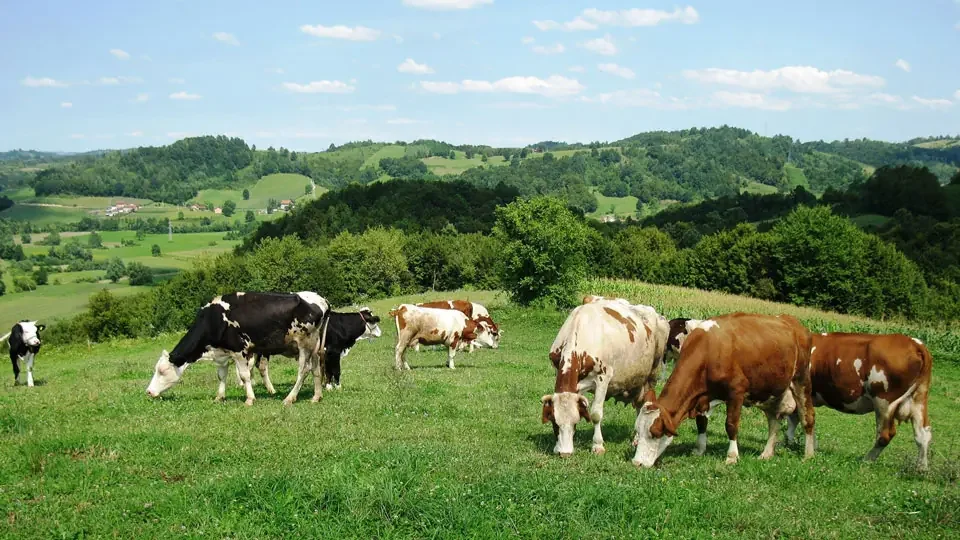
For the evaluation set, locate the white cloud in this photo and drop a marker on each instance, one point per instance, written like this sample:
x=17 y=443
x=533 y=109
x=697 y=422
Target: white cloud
x=356 y=33
x=553 y=86
x=398 y=38
x=602 y=45
x=642 y=98
x=446 y=4
x=176 y=80
x=576 y=69
x=549 y=49
x=750 y=100
x=135 y=134
x=184 y=96
x=120 y=53
x=319 y=87
x=933 y=103
x=66 y=104
x=619 y=71
x=226 y=37
x=43 y=82
x=591 y=19
x=141 y=98
x=403 y=121
x=110 y=81
x=903 y=64
x=410 y=66
x=800 y=79
x=527 y=40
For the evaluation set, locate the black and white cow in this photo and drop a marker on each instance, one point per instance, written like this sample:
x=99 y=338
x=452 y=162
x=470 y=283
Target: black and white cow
x=343 y=332
x=238 y=326
x=24 y=341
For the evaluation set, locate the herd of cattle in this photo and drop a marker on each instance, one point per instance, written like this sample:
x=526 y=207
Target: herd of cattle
x=608 y=347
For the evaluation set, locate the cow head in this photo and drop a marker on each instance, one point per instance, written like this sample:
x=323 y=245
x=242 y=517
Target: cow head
x=30 y=333
x=655 y=431
x=564 y=410
x=165 y=375
x=372 y=323
x=488 y=333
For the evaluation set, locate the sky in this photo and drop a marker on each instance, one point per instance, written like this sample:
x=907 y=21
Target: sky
x=97 y=74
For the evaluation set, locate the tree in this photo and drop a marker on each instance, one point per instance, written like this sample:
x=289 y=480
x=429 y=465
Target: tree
x=140 y=274
x=25 y=238
x=272 y=204
x=52 y=239
x=115 y=269
x=3 y=286
x=229 y=207
x=308 y=189
x=246 y=194
x=94 y=241
x=40 y=276
x=543 y=253
x=209 y=206
x=484 y=158
x=141 y=234
x=180 y=216
x=250 y=217
x=453 y=155
x=155 y=250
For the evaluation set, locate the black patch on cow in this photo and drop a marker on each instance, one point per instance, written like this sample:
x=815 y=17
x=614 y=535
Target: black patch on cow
x=262 y=319
x=677 y=327
x=19 y=349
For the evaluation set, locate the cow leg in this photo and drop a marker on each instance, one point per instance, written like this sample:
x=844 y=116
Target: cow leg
x=416 y=346
x=15 y=360
x=451 y=352
x=886 y=429
x=263 y=364
x=222 y=368
x=773 y=429
x=702 y=421
x=399 y=361
x=317 y=379
x=596 y=413
x=734 y=405
x=29 y=363
x=921 y=430
x=243 y=371
x=301 y=373
x=793 y=419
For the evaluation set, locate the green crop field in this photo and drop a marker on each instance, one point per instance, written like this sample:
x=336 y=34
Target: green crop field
x=53 y=301
x=796 y=176
x=439 y=453
x=622 y=206
x=441 y=166
x=274 y=186
x=178 y=253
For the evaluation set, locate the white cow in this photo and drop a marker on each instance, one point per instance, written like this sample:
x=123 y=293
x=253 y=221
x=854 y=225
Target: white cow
x=432 y=326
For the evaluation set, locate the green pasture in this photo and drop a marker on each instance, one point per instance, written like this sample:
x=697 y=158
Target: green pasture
x=274 y=186
x=50 y=302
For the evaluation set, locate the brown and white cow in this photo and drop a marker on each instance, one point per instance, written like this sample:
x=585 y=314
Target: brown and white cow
x=741 y=359
x=887 y=374
x=474 y=311
x=610 y=348
x=431 y=326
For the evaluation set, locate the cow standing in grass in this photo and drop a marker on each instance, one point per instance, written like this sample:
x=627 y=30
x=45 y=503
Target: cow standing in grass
x=887 y=374
x=24 y=342
x=431 y=326
x=608 y=347
x=740 y=359
x=238 y=326
x=474 y=311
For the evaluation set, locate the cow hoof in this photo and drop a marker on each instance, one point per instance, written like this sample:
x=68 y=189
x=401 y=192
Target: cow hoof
x=599 y=450
x=732 y=460
x=288 y=401
x=248 y=403
x=315 y=400
x=218 y=399
x=699 y=451
x=765 y=456
x=329 y=387
x=566 y=454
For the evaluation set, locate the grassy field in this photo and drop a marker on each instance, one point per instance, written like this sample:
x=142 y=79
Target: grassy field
x=758 y=188
x=389 y=151
x=176 y=254
x=868 y=221
x=441 y=166
x=274 y=186
x=53 y=301
x=622 y=206
x=796 y=177
x=435 y=452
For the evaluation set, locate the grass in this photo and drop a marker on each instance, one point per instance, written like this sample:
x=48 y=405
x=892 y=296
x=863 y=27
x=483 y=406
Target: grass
x=796 y=177
x=44 y=215
x=179 y=253
x=441 y=166
x=389 y=151
x=758 y=188
x=869 y=221
x=432 y=453
x=622 y=206
x=274 y=186
x=50 y=302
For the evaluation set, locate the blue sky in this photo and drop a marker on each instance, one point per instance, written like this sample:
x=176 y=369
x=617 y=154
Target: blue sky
x=110 y=74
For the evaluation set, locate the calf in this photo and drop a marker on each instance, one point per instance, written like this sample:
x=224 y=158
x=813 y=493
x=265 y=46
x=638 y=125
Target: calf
x=432 y=326
x=606 y=347
x=739 y=359
x=239 y=325
x=887 y=374
x=473 y=311
x=342 y=333
x=24 y=342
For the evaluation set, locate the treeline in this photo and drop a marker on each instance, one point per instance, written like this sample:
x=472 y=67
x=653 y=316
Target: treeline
x=943 y=161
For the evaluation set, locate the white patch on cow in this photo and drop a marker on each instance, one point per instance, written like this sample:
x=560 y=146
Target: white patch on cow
x=823 y=333
x=30 y=333
x=701 y=443
x=917 y=341
x=706 y=326
x=565 y=366
x=856 y=365
x=218 y=301
x=813 y=349
x=566 y=414
x=314 y=299
x=165 y=375
x=234 y=324
x=648 y=447
x=838 y=361
x=733 y=452
x=878 y=376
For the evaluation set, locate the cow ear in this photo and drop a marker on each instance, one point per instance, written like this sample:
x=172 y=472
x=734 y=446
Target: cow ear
x=583 y=406
x=668 y=425
x=41 y=327
x=547 y=413
x=649 y=407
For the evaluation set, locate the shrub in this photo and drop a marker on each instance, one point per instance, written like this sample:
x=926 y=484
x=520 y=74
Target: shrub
x=23 y=284
x=543 y=253
x=140 y=274
x=115 y=269
x=371 y=264
x=94 y=241
x=40 y=277
x=25 y=238
x=638 y=253
x=155 y=250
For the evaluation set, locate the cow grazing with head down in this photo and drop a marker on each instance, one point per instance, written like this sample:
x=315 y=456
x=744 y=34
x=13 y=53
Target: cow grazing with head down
x=343 y=330
x=431 y=326
x=238 y=326
x=740 y=359
x=607 y=347
x=24 y=342
x=887 y=374
x=474 y=311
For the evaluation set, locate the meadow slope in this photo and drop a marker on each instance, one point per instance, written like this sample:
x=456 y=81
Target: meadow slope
x=435 y=452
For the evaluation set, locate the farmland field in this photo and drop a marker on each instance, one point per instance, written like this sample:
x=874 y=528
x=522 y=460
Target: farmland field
x=622 y=206
x=758 y=188
x=441 y=166
x=53 y=301
x=274 y=186
x=178 y=253
x=440 y=453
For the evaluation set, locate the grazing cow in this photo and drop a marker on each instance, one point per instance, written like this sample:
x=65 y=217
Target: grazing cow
x=607 y=347
x=887 y=374
x=24 y=342
x=343 y=332
x=474 y=311
x=432 y=326
x=239 y=325
x=740 y=359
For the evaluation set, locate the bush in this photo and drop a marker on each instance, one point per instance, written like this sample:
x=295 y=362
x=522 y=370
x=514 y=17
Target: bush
x=229 y=207
x=52 y=239
x=25 y=238
x=638 y=253
x=3 y=286
x=155 y=250
x=371 y=264
x=140 y=274
x=544 y=246
x=23 y=284
x=94 y=241
x=40 y=276
x=115 y=269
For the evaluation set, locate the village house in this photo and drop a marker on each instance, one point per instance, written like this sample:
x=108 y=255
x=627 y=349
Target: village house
x=286 y=204
x=121 y=207
x=218 y=210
